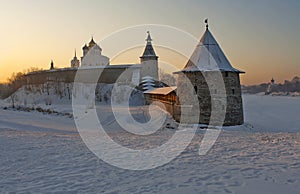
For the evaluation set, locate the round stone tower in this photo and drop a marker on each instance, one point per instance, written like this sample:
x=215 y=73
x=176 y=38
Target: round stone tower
x=215 y=81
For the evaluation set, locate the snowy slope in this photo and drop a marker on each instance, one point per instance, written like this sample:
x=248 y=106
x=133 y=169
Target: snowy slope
x=44 y=153
x=59 y=98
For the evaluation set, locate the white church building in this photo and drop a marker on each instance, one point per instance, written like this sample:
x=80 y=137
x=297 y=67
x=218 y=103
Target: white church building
x=93 y=58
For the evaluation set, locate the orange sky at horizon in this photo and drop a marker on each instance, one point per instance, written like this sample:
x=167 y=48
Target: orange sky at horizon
x=264 y=44
x=251 y=77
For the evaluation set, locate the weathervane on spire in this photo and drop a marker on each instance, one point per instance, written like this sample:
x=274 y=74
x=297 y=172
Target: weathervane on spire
x=206 y=21
x=149 y=39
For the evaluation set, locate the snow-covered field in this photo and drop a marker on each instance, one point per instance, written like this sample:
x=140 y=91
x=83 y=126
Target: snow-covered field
x=44 y=153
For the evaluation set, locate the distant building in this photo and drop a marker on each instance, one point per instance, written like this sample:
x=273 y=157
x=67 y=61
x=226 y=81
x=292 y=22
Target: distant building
x=272 y=81
x=271 y=87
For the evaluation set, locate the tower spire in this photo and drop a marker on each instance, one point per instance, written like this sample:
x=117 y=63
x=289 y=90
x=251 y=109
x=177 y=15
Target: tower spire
x=75 y=62
x=51 y=65
x=149 y=52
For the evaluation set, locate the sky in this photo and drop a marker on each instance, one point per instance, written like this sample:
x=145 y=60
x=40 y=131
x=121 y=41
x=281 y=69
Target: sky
x=260 y=37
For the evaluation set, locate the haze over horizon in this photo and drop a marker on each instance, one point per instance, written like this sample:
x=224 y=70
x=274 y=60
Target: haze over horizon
x=258 y=37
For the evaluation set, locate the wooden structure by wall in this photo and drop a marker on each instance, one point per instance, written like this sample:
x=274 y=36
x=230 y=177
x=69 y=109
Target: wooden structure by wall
x=166 y=95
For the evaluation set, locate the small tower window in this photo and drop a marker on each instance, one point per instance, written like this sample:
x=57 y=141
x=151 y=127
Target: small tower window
x=233 y=91
x=196 y=89
x=226 y=74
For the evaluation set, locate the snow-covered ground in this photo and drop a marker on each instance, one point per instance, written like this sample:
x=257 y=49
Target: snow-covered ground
x=272 y=113
x=44 y=153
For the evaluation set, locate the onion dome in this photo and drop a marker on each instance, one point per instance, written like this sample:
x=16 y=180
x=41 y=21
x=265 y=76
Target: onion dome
x=85 y=47
x=92 y=43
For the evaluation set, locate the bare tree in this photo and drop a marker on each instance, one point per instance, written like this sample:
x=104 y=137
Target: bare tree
x=167 y=78
x=13 y=99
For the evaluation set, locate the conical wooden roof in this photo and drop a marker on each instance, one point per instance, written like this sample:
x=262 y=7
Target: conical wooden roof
x=208 y=56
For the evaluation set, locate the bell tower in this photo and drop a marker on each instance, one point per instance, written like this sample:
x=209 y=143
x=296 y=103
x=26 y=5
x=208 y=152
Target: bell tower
x=75 y=62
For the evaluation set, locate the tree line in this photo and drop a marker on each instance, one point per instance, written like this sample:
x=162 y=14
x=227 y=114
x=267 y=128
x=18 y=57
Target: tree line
x=14 y=82
x=288 y=86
